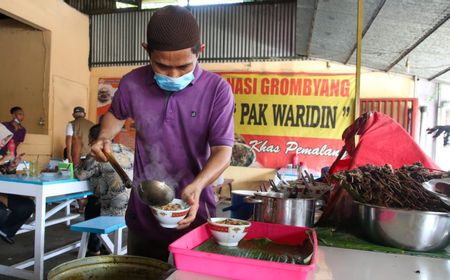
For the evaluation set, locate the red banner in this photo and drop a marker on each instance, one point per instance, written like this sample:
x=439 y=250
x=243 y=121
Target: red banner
x=279 y=118
x=279 y=151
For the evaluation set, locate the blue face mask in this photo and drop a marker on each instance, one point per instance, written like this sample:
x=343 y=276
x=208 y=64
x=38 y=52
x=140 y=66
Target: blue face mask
x=174 y=84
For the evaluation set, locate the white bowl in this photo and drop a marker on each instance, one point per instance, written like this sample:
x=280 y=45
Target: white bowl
x=228 y=235
x=168 y=218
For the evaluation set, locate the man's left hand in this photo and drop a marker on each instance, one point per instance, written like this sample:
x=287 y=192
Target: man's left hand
x=190 y=194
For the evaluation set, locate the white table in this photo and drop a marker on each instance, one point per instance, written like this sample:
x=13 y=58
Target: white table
x=336 y=263
x=346 y=264
x=40 y=191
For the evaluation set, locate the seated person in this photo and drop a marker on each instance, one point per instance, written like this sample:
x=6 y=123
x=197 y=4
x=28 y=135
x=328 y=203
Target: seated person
x=14 y=209
x=110 y=194
x=16 y=128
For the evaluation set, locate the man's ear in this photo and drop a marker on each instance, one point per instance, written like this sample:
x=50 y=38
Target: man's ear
x=201 y=49
x=145 y=46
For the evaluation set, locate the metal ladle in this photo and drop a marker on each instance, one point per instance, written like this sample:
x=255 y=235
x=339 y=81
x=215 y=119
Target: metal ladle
x=151 y=192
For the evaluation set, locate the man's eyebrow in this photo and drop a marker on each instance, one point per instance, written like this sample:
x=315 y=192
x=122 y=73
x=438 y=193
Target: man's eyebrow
x=185 y=65
x=169 y=66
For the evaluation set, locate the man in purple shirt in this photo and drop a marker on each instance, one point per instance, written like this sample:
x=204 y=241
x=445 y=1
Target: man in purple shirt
x=184 y=128
x=15 y=126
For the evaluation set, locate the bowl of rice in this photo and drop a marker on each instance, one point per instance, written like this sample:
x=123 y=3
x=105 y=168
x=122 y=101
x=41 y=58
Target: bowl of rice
x=170 y=214
x=228 y=232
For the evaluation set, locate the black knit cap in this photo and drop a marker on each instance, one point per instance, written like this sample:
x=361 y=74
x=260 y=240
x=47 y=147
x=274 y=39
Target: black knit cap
x=172 y=28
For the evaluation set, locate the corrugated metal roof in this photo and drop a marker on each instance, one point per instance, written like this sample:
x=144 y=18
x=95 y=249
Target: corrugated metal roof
x=230 y=33
x=409 y=30
x=405 y=36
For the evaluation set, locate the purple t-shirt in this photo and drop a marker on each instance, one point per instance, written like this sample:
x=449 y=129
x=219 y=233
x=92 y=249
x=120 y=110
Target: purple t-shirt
x=174 y=133
x=18 y=136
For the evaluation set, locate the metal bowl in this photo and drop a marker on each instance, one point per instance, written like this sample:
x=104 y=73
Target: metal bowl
x=111 y=268
x=405 y=229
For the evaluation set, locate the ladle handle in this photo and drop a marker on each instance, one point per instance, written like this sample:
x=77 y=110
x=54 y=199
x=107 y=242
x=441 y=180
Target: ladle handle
x=122 y=174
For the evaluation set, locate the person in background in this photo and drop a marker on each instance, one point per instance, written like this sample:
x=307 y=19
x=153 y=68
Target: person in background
x=5 y=136
x=184 y=128
x=15 y=126
x=110 y=194
x=77 y=136
x=77 y=141
x=15 y=210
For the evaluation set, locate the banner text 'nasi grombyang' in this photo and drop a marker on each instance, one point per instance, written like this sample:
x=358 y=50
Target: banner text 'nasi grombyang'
x=280 y=115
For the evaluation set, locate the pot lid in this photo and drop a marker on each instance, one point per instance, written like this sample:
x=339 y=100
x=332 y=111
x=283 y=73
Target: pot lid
x=271 y=194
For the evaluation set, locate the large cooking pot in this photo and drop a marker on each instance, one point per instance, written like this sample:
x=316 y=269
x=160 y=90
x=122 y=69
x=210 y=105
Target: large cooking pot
x=111 y=268
x=277 y=208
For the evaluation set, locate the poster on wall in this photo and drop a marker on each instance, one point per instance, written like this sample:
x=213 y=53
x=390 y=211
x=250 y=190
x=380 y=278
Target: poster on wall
x=106 y=89
x=285 y=118
x=280 y=118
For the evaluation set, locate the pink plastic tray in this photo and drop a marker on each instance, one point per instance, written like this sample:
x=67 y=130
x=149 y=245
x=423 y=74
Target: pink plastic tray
x=188 y=259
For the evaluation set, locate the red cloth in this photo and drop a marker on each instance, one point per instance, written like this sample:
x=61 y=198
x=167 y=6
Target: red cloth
x=382 y=141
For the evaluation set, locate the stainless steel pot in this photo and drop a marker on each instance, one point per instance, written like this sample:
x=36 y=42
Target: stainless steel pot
x=276 y=208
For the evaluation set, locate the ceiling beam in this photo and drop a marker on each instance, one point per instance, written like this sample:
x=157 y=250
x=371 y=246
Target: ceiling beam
x=369 y=24
x=440 y=73
x=419 y=41
x=306 y=14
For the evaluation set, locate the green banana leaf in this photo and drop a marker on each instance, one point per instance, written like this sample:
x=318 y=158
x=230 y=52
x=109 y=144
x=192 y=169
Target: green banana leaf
x=333 y=237
x=263 y=249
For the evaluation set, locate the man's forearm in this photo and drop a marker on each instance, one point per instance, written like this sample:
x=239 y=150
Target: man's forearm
x=216 y=164
x=110 y=127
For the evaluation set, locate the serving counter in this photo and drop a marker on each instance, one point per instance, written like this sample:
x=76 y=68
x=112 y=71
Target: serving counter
x=348 y=264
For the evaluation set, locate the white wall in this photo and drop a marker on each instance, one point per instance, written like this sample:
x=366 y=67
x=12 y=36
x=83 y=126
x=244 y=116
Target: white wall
x=426 y=92
x=443 y=118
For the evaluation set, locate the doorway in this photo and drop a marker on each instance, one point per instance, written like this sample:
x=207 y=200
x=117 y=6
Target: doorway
x=24 y=73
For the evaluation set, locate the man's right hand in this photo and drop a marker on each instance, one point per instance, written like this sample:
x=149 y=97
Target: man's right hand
x=110 y=127
x=98 y=147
